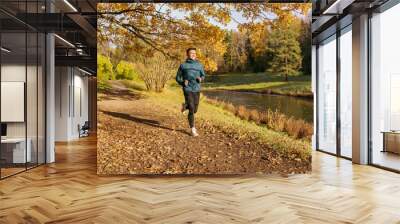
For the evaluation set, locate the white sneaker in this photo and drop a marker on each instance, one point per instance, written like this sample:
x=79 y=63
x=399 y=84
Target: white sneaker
x=194 y=132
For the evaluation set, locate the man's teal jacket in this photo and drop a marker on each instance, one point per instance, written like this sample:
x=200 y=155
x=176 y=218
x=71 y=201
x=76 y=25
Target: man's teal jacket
x=190 y=70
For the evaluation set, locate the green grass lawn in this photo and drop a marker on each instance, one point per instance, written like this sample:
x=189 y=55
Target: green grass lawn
x=262 y=83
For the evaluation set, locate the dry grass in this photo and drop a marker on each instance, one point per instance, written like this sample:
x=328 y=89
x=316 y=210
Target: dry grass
x=274 y=120
x=229 y=107
x=254 y=116
x=242 y=112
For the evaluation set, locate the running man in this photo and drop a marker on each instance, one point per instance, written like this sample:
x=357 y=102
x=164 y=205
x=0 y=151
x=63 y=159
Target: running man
x=190 y=74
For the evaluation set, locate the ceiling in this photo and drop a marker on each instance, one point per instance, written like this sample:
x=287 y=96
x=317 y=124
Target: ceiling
x=74 y=22
x=336 y=14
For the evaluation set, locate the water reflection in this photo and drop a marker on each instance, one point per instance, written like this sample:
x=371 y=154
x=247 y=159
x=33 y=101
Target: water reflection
x=301 y=108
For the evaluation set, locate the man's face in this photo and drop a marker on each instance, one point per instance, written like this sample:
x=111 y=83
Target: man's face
x=192 y=54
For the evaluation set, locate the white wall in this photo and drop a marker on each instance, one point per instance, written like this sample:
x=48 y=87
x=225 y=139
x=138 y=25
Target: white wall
x=71 y=87
x=80 y=94
x=14 y=72
x=62 y=81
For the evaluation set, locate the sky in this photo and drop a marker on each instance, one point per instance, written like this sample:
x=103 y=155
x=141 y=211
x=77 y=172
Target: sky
x=236 y=18
x=232 y=25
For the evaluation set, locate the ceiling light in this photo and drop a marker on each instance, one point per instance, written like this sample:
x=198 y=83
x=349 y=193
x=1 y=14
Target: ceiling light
x=70 y=5
x=79 y=51
x=337 y=7
x=64 y=40
x=86 y=72
x=5 y=50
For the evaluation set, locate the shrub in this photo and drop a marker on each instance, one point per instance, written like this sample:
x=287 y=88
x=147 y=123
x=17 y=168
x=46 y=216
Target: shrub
x=125 y=70
x=263 y=118
x=308 y=130
x=275 y=120
x=156 y=71
x=104 y=69
x=292 y=127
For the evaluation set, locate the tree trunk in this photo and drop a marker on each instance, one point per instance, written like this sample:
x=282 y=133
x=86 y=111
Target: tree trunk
x=286 y=73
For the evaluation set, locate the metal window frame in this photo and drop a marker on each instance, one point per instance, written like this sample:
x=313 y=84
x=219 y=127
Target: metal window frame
x=339 y=32
x=0 y=93
x=318 y=97
x=338 y=98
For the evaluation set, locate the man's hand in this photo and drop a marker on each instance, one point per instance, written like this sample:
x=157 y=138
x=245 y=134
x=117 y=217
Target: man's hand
x=186 y=82
x=199 y=79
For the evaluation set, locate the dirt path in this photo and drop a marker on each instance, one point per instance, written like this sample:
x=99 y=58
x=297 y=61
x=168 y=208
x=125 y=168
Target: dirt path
x=137 y=137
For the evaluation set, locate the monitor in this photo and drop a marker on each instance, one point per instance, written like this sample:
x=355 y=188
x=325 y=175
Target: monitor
x=3 y=129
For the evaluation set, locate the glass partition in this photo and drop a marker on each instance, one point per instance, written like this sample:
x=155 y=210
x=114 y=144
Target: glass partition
x=22 y=89
x=327 y=95
x=13 y=103
x=346 y=92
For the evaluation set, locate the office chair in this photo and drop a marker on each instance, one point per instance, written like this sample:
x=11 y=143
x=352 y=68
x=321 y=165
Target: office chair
x=84 y=130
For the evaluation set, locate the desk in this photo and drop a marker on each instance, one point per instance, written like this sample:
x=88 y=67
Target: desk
x=391 y=141
x=15 y=148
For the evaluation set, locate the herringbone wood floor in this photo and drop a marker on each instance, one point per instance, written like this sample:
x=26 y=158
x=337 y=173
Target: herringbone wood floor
x=69 y=191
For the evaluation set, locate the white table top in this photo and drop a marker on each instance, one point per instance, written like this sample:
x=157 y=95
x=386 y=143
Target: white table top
x=13 y=140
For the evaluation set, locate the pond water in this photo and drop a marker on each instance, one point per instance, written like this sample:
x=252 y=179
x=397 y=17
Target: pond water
x=297 y=107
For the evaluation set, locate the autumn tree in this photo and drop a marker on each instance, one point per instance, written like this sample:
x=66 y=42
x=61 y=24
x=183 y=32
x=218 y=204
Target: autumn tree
x=236 y=55
x=134 y=25
x=257 y=35
x=262 y=17
x=141 y=32
x=148 y=28
x=305 y=44
x=284 y=48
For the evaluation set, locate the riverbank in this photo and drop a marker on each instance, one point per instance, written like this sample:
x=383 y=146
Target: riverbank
x=153 y=124
x=274 y=120
x=297 y=86
x=297 y=107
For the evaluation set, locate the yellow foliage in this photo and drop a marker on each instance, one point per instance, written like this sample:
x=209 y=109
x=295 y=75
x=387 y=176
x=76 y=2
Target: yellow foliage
x=146 y=28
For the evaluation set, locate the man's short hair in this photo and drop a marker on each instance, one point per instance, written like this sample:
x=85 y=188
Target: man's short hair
x=189 y=49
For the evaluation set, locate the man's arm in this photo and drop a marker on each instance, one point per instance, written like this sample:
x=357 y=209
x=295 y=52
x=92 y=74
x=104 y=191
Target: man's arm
x=179 y=76
x=202 y=73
